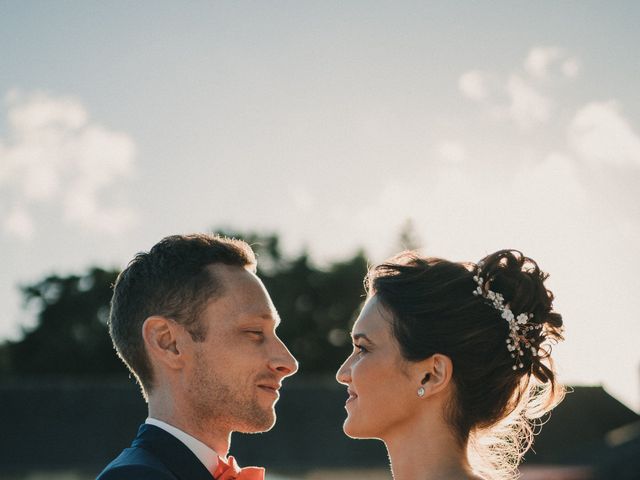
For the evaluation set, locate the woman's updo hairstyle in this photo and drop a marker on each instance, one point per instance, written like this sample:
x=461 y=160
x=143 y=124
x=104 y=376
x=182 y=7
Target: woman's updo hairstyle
x=434 y=310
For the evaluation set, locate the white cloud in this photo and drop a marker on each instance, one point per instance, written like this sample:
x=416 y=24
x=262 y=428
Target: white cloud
x=542 y=60
x=38 y=112
x=103 y=155
x=517 y=95
x=55 y=154
x=571 y=68
x=302 y=198
x=601 y=135
x=474 y=84
x=470 y=207
x=81 y=207
x=451 y=152
x=19 y=223
x=527 y=105
x=555 y=182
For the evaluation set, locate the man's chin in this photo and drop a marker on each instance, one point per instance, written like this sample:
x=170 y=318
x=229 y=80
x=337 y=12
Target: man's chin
x=258 y=424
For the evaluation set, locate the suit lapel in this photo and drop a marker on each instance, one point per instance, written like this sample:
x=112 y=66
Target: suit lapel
x=172 y=452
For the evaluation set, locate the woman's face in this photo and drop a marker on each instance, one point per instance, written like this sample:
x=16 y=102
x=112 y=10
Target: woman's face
x=382 y=396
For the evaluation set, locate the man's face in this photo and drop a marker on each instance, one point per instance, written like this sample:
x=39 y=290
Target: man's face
x=236 y=372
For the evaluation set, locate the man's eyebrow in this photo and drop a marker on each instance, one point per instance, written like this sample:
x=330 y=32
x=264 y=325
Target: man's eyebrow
x=271 y=318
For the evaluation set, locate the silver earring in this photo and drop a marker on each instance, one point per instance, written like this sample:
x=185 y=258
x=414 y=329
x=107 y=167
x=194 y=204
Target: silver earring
x=421 y=392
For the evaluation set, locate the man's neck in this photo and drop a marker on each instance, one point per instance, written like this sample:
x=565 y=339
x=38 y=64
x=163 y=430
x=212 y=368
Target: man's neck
x=211 y=433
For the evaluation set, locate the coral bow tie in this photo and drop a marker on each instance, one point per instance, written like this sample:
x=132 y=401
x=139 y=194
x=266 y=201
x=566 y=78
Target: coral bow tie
x=230 y=470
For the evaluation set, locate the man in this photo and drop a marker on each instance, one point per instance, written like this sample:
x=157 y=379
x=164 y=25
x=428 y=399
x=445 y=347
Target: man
x=197 y=328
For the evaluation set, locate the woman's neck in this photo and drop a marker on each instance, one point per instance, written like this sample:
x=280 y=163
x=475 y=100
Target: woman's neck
x=430 y=453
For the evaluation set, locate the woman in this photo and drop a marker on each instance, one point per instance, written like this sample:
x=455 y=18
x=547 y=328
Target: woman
x=452 y=363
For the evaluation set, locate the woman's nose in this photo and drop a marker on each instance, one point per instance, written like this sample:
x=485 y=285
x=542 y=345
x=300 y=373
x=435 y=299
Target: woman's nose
x=343 y=375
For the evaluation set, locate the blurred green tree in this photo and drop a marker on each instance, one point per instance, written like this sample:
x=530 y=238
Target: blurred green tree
x=70 y=335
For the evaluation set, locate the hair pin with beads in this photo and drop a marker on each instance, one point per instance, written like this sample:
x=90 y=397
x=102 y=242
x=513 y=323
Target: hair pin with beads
x=519 y=325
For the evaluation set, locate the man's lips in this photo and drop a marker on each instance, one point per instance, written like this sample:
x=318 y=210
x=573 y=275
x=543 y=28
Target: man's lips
x=273 y=389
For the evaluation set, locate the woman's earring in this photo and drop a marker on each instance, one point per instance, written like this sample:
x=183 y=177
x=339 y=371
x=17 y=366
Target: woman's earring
x=421 y=390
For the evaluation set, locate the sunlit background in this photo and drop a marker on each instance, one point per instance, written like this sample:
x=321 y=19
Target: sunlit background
x=486 y=125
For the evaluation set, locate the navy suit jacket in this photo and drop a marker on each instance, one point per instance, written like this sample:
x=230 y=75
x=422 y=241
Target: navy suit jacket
x=155 y=455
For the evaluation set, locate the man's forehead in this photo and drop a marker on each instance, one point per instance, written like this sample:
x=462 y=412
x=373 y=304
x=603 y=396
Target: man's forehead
x=244 y=293
x=235 y=280
x=223 y=269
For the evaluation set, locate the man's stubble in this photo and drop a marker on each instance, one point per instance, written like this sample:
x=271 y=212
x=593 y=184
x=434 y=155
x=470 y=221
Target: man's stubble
x=217 y=401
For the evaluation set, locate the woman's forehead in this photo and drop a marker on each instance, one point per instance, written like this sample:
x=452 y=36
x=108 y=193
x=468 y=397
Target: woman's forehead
x=371 y=319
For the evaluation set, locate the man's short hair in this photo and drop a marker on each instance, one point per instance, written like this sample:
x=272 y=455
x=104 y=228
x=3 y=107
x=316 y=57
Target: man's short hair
x=171 y=280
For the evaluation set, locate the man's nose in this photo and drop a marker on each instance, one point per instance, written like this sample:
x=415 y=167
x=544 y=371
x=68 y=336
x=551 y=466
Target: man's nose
x=283 y=361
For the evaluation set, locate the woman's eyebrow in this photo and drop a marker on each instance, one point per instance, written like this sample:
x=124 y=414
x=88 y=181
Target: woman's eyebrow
x=358 y=336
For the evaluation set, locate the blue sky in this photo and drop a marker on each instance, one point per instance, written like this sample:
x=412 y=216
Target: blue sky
x=489 y=124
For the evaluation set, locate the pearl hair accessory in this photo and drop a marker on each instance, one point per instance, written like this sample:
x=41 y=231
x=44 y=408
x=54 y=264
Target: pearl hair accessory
x=518 y=326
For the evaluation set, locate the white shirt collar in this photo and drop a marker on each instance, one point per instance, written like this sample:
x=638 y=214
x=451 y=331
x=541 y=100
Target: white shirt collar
x=206 y=455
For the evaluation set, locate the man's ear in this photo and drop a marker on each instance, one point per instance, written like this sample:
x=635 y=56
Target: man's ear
x=433 y=374
x=164 y=341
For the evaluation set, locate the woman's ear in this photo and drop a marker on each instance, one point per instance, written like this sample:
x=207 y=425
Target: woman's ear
x=435 y=375
x=162 y=341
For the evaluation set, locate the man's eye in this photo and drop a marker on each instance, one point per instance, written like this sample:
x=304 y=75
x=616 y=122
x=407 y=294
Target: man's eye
x=257 y=333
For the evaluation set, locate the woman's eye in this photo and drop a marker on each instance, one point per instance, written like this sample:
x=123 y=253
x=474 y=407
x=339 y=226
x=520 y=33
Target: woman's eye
x=360 y=348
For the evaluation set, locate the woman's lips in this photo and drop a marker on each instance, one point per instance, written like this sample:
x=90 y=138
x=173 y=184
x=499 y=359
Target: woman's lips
x=352 y=397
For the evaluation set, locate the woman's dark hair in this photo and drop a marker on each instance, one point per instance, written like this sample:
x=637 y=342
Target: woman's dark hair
x=434 y=311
